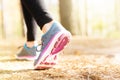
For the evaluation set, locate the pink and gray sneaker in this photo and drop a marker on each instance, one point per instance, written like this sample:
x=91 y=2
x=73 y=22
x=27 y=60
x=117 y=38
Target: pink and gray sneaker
x=52 y=43
x=27 y=53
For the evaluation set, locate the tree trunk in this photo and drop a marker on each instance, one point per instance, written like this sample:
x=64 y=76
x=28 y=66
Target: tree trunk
x=117 y=14
x=83 y=17
x=22 y=22
x=1 y=22
x=69 y=15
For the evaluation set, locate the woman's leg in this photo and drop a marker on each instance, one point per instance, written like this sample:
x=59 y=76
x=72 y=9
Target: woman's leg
x=29 y=50
x=30 y=24
x=56 y=36
x=38 y=11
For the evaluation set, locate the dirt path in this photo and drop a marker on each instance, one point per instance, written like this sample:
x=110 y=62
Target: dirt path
x=70 y=67
x=79 y=62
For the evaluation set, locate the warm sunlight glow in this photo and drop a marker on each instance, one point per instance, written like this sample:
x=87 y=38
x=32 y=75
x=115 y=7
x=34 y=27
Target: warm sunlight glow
x=100 y=16
x=101 y=6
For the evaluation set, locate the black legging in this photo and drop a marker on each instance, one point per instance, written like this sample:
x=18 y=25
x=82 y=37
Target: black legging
x=34 y=9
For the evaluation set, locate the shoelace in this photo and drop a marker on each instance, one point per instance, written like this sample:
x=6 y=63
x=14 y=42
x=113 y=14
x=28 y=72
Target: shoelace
x=38 y=48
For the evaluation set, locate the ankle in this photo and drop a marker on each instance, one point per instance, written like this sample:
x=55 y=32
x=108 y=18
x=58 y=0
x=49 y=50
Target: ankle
x=47 y=26
x=30 y=44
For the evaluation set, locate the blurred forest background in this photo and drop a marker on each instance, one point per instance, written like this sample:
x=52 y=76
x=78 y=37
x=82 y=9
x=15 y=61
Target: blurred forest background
x=87 y=18
x=95 y=25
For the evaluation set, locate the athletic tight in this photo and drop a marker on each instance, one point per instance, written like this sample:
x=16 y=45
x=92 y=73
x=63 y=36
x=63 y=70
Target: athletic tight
x=34 y=10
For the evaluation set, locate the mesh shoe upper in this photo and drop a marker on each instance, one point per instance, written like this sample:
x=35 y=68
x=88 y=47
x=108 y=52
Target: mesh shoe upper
x=27 y=53
x=48 y=36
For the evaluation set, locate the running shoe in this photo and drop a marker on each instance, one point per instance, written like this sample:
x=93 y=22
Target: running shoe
x=27 y=53
x=52 y=42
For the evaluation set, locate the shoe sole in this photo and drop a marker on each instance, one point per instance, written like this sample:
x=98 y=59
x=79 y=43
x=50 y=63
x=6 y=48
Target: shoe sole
x=55 y=45
x=46 y=64
x=29 y=58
